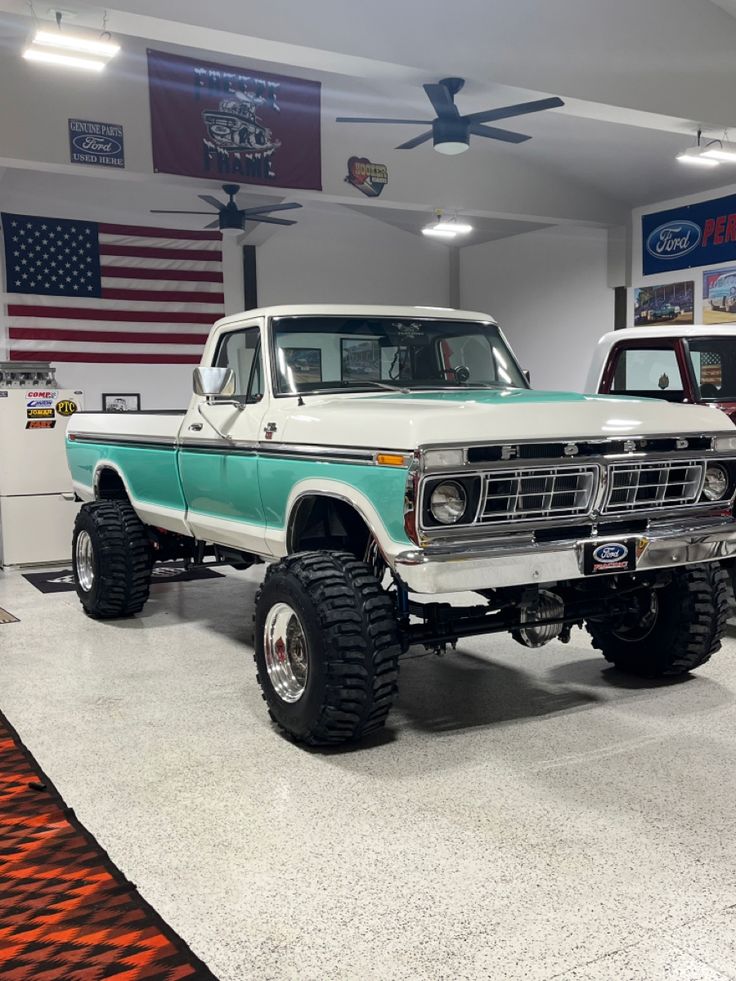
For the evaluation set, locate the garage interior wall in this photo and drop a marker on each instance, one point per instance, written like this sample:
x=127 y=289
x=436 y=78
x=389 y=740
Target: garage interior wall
x=548 y=289
x=677 y=275
x=328 y=257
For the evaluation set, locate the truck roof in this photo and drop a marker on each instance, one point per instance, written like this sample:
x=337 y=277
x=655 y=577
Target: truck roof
x=355 y=310
x=675 y=330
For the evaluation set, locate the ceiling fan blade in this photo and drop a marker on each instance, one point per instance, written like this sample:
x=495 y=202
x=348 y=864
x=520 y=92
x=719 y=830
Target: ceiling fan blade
x=212 y=200
x=165 y=211
x=271 y=221
x=504 y=135
x=249 y=212
x=213 y=224
x=441 y=99
x=505 y=112
x=377 y=119
x=417 y=141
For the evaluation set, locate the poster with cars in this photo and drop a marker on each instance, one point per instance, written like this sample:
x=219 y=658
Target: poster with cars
x=719 y=296
x=670 y=303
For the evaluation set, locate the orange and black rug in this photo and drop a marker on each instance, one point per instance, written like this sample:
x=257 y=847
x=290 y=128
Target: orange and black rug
x=66 y=912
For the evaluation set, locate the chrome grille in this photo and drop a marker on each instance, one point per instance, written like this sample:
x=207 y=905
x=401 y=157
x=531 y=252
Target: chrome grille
x=649 y=486
x=548 y=492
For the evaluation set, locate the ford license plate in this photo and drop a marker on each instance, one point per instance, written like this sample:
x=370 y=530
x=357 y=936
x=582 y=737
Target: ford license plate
x=613 y=556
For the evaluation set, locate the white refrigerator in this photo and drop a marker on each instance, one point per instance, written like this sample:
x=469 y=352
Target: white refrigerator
x=37 y=507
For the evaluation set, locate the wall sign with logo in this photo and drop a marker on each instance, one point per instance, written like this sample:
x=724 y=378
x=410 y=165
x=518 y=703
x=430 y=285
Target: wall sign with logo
x=700 y=234
x=367 y=177
x=220 y=122
x=99 y=144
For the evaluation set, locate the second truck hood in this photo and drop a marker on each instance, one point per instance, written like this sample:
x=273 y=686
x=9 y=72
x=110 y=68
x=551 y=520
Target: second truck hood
x=399 y=421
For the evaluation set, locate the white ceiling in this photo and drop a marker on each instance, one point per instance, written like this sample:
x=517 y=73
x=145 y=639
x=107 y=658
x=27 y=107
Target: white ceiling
x=638 y=77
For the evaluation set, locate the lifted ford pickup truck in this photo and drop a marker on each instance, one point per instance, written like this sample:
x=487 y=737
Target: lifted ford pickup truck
x=379 y=457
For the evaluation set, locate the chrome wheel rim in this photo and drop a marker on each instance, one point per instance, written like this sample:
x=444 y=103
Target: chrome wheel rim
x=634 y=632
x=85 y=561
x=287 y=653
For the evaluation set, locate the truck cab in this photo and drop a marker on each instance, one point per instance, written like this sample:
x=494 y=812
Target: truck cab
x=694 y=364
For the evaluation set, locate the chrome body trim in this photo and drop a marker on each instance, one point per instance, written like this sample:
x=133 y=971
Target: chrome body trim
x=109 y=440
x=459 y=568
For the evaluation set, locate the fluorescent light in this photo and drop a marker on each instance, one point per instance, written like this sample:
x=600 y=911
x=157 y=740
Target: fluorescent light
x=439 y=231
x=59 y=58
x=694 y=155
x=459 y=227
x=726 y=153
x=71 y=42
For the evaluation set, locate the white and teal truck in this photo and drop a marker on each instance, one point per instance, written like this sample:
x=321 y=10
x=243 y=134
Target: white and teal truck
x=381 y=459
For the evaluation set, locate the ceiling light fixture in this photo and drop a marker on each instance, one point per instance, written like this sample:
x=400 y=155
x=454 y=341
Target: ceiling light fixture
x=695 y=156
x=447 y=227
x=71 y=50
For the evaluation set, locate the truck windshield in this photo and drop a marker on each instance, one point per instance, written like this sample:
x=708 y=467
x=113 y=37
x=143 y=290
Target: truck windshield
x=318 y=354
x=714 y=367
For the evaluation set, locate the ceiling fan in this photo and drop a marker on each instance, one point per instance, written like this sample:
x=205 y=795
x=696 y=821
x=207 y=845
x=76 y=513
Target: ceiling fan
x=450 y=131
x=232 y=219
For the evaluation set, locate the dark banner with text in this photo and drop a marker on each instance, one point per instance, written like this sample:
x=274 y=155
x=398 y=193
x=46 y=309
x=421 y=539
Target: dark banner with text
x=233 y=124
x=700 y=234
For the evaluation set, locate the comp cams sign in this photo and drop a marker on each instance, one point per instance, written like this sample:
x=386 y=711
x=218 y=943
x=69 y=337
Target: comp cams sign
x=701 y=234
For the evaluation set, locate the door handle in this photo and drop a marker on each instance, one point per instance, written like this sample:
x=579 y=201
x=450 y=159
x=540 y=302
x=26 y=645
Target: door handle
x=196 y=426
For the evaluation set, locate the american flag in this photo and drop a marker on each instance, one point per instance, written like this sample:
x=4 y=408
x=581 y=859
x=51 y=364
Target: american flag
x=85 y=291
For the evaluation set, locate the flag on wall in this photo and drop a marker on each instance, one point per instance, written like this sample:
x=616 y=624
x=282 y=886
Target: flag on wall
x=86 y=291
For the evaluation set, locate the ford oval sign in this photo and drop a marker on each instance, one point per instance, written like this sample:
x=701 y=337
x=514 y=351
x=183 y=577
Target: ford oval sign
x=673 y=240
x=611 y=552
x=93 y=144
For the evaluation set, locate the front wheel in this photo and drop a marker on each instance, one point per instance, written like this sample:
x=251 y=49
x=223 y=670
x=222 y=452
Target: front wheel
x=112 y=560
x=669 y=631
x=326 y=647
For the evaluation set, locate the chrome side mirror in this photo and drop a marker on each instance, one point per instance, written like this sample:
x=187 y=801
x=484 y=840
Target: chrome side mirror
x=214 y=382
x=528 y=376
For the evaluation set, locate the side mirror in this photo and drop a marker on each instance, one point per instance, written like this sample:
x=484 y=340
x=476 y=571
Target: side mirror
x=527 y=376
x=214 y=382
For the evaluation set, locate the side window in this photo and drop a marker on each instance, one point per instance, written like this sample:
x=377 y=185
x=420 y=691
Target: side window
x=652 y=372
x=241 y=351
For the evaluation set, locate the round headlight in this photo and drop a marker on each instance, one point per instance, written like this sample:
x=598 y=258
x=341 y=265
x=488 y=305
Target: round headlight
x=448 y=502
x=716 y=483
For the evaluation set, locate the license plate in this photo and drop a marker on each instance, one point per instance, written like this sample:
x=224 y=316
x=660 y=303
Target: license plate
x=614 y=556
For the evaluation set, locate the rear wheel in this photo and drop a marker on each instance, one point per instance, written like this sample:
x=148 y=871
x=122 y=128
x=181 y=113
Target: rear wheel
x=669 y=631
x=112 y=560
x=326 y=647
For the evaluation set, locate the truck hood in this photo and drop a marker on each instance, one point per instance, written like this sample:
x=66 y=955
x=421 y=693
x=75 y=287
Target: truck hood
x=398 y=421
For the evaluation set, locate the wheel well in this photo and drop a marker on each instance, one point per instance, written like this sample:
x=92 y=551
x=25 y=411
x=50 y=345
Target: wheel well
x=110 y=486
x=322 y=523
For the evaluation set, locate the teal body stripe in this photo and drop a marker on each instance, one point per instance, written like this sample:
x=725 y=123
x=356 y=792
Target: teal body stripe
x=150 y=472
x=253 y=489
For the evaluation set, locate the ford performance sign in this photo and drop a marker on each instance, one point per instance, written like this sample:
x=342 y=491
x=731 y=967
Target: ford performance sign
x=694 y=235
x=99 y=144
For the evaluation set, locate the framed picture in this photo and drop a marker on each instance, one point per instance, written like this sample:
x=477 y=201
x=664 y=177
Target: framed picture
x=305 y=364
x=719 y=296
x=360 y=359
x=120 y=402
x=672 y=303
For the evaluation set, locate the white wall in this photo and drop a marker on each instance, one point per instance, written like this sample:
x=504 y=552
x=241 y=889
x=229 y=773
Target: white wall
x=336 y=255
x=548 y=291
x=333 y=254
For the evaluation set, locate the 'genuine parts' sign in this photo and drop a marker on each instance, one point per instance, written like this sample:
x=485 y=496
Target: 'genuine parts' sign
x=100 y=144
x=701 y=234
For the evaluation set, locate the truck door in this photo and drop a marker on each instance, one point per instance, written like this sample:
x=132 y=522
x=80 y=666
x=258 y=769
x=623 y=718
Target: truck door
x=217 y=454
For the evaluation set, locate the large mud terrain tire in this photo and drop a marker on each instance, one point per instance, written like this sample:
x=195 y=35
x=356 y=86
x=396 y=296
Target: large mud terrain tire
x=671 y=630
x=112 y=560
x=326 y=648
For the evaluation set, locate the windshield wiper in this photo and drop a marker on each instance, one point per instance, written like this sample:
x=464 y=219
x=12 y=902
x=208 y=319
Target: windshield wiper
x=389 y=388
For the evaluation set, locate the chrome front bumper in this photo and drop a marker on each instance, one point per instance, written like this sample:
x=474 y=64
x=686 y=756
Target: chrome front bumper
x=451 y=569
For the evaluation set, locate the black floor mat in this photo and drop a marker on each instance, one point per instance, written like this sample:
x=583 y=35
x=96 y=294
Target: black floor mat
x=62 y=580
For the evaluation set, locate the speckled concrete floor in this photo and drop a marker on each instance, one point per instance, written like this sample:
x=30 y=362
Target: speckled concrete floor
x=527 y=814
